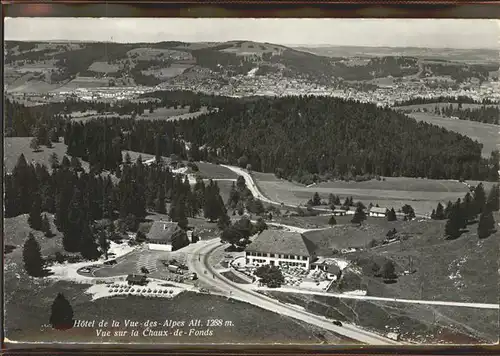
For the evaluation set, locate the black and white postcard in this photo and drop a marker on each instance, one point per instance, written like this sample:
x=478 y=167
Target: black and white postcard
x=178 y=181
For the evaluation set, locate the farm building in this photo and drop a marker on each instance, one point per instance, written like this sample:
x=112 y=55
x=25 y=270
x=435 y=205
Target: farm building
x=339 y=212
x=163 y=234
x=333 y=271
x=378 y=212
x=280 y=248
x=137 y=279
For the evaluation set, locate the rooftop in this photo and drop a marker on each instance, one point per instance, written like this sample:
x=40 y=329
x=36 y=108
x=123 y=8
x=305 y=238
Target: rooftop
x=163 y=230
x=376 y=209
x=281 y=242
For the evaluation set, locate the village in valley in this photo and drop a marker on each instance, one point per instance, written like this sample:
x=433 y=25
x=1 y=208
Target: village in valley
x=140 y=210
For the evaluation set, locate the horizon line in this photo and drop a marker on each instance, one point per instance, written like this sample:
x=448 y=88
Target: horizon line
x=281 y=44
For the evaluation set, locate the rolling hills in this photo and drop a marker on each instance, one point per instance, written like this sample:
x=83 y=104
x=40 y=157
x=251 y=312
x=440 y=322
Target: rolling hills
x=45 y=66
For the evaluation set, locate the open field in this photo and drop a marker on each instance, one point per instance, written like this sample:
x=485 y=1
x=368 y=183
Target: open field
x=347 y=235
x=456 y=270
x=103 y=67
x=83 y=82
x=210 y=170
x=189 y=115
x=399 y=183
x=173 y=70
x=414 y=323
x=23 y=324
x=422 y=201
x=163 y=113
x=148 y=53
x=25 y=85
x=432 y=106
x=15 y=146
x=487 y=134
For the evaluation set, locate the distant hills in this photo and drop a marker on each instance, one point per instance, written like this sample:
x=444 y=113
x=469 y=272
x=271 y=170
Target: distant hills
x=46 y=64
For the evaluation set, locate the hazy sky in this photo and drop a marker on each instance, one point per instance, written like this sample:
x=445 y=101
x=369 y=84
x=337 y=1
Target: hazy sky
x=453 y=33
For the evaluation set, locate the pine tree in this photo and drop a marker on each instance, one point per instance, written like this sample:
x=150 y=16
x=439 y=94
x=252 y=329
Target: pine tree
x=316 y=199
x=182 y=220
x=160 y=201
x=359 y=216
x=32 y=257
x=46 y=226
x=72 y=233
x=391 y=215
x=440 y=214
x=35 y=144
x=433 y=214
x=447 y=210
x=486 y=224
x=493 y=201
x=104 y=243
x=61 y=316
x=35 y=217
x=468 y=208
x=455 y=222
x=223 y=222
x=332 y=220
x=54 y=161
x=408 y=211
x=479 y=199
x=88 y=246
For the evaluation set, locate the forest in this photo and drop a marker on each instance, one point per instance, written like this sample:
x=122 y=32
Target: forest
x=298 y=138
x=444 y=99
x=484 y=114
x=80 y=200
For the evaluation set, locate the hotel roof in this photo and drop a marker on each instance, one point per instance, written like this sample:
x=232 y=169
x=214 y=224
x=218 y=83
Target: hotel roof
x=281 y=242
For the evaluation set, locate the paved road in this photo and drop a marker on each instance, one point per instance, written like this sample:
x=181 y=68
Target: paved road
x=259 y=195
x=397 y=300
x=198 y=262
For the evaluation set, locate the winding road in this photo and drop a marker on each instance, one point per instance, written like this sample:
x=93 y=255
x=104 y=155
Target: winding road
x=259 y=195
x=198 y=262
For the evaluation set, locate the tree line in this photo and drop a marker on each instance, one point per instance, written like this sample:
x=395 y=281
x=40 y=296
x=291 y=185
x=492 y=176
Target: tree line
x=300 y=137
x=80 y=201
x=464 y=212
x=461 y=99
x=484 y=114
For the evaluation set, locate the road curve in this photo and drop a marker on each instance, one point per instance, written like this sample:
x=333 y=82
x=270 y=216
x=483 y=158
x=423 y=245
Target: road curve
x=198 y=262
x=259 y=195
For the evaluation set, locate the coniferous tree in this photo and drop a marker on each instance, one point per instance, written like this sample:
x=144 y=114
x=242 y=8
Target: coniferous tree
x=316 y=199
x=468 y=208
x=160 y=201
x=359 y=216
x=104 y=242
x=440 y=214
x=408 y=211
x=433 y=214
x=35 y=144
x=479 y=199
x=54 y=161
x=32 y=257
x=88 y=245
x=46 y=226
x=72 y=234
x=35 y=217
x=448 y=209
x=493 y=201
x=455 y=222
x=391 y=215
x=486 y=224
x=223 y=222
x=332 y=220
x=61 y=316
